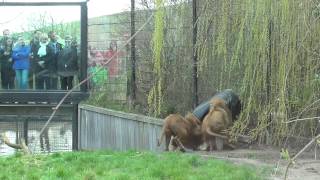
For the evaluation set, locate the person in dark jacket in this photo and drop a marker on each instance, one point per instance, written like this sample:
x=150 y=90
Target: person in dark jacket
x=34 y=45
x=7 y=73
x=51 y=65
x=21 y=62
x=6 y=35
x=67 y=63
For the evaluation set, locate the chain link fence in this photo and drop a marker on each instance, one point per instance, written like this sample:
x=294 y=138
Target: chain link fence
x=56 y=137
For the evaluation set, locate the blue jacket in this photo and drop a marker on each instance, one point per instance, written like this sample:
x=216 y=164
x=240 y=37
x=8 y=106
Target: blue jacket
x=20 y=57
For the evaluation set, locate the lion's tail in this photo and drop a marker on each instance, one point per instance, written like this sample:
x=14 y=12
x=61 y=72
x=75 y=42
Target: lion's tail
x=216 y=134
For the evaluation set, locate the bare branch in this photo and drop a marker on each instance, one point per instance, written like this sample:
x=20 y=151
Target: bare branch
x=303 y=119
x=291 y=161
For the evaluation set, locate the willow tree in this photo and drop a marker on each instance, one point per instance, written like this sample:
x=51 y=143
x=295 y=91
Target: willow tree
x=155 y=97
x=267 y=51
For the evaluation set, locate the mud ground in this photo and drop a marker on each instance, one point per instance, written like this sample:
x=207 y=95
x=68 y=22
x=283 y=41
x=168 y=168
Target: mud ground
x=270 y=164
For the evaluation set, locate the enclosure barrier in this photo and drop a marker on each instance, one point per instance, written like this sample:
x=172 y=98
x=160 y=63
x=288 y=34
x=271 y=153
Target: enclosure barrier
x=26 y=121
x=101 y=128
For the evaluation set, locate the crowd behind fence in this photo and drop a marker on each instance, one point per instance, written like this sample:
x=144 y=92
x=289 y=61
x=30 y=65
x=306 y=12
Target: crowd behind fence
x=46 y=61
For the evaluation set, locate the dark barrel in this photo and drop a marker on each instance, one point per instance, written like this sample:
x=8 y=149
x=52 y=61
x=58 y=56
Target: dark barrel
x=232 y=101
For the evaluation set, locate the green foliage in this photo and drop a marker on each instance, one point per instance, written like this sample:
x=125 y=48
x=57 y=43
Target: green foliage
x=155 y=97
x=109 y=95
x=285 y=154
x=267 y=51
x=62 y=29
x=121 y=165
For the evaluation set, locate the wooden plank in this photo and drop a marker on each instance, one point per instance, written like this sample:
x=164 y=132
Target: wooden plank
x=108 y=129
x=131 y=116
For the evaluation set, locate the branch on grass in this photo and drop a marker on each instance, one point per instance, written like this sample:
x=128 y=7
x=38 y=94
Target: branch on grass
x=91 y=75
x=291 y=161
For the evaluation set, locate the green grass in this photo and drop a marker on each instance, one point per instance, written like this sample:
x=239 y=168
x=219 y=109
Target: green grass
x=121 y=165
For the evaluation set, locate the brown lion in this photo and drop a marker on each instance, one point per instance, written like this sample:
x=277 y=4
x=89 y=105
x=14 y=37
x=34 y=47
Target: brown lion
x=187 y=130
x=216 y=123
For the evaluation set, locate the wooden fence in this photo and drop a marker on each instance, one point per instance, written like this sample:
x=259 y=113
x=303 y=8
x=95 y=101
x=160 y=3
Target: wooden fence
x=101 y=128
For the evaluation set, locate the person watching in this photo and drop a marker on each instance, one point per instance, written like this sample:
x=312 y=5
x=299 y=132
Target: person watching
x=21 y=62
x=7 y=73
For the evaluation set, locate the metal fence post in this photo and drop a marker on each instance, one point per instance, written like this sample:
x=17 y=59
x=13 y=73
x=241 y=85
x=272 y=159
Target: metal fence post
x=25 y=130
x=75 y=123
x=132 y=79
x=194 y=53
x=84 y=45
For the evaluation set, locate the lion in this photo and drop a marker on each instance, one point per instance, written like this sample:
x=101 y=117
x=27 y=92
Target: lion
x=216 y=123
x=187 y=130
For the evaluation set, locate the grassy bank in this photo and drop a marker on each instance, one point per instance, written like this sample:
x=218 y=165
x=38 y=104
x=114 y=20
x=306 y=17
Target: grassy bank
x=120 y=165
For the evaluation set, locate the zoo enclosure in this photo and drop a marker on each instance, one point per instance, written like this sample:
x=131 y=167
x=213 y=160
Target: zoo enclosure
x=267 y=51
x=16 y=123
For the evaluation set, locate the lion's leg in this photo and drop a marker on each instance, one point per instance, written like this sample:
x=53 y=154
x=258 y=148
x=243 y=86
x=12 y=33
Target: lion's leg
x=219 y=143
x=180 y=146
x=211 y=143
x=172 y=144
x=168 y=141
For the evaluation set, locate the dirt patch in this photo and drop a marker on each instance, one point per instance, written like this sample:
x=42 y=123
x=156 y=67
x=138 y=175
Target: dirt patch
x=267 y=159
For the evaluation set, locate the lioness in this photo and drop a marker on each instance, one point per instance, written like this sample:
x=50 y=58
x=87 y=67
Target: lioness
x=215 y=124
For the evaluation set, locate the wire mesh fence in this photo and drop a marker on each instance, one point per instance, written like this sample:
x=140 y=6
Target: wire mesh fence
x=116 y=89
x=56 y=137
x=104 y=41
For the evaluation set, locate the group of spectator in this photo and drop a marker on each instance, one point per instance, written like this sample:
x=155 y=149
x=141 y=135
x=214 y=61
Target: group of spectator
x=105 y=64
x=38 y=64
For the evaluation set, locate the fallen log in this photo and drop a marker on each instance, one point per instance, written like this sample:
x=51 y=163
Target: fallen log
x=244 y=139
x=21 y=146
